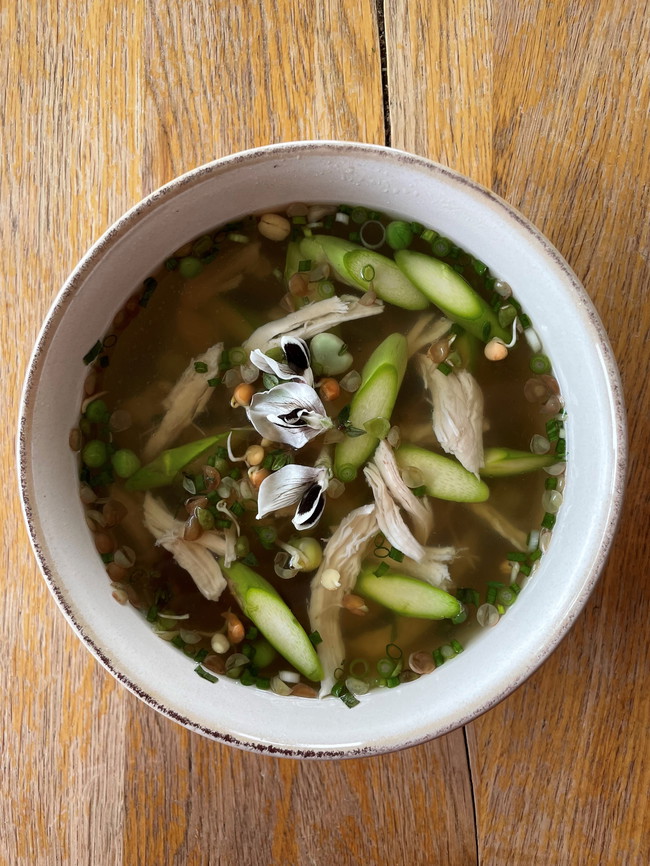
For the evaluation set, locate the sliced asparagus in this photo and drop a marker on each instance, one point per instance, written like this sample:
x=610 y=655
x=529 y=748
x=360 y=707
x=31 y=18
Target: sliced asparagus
x=370 y=270
x=162 y=471
x=443 y=477
x=263 y=605
x=407 y=596
x=445 y=287
x=292 y=260
x=381 y=379
x=507 y=461
x=322 y=248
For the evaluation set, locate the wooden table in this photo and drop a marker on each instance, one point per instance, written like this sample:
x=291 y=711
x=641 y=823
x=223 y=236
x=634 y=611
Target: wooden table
x=545 y=102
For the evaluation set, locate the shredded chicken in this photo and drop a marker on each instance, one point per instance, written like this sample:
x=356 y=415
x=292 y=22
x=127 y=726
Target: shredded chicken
x=185 y=401
x=433 y=568
x=500 y=524
x=389 y=518
x=419 y=510
x=311 y=320
x=343 y=553
x=196 y=557
x=426 y=330
x=457 y=412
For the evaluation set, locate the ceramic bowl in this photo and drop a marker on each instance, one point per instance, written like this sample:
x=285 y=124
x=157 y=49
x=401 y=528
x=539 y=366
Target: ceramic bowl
x=500 y=658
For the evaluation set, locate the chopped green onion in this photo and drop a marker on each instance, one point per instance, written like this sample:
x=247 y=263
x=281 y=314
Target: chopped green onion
x=214 y=382
x=326 y=289
x=445 y=368
x=106 y=558
x=381 y=569
x=457 y=647
x=525 y=323
x=349 y=699
x=92 y=353
x=396 y=554
x=538 y=363
x=506 y=596
x=548 y=521
x=358 y=668
x=300 y=221
x=428 y=235
x=419 y=491
x=440 y=247
x=205 y=674
x=247 y=678
x=534 y=555
x=393 y=651
x=338 y=688
x=250 y=560
x=263 y=683
x=516 y=556
x=315 y=638
x=460 y=617
x=223 y=524
x=438 y=658
x=359 y=215
x=560 y=448
x=391 y=682
x=479 y=267
x=417 y=228
x=304 y=265
x=550 y=483
x=525 y=569
x=178 y=642
x=171 y=264
x=237 y=509
x=491 y=595
x=252 y=633
x=267 y=535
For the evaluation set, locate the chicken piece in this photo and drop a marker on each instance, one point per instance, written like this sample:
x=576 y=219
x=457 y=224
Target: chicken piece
x=418 y=509
x=343 y=553
x=457 y=412
x=196 y=557
x=389 y=518
x=311 y=320
x=185 y=401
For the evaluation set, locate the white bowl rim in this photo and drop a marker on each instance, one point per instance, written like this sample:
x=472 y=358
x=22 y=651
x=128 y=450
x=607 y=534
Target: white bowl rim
x=121 y=226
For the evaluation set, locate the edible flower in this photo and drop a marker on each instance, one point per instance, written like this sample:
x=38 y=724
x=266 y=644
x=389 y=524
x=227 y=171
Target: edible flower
x=292 y=483
x=291 y=413
x=297 y=367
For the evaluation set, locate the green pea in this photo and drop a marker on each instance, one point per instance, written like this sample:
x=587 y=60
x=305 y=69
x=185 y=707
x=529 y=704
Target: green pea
x=222 y=465
x=264 y=653
x=311 y=552
x=95 y=453
x=399 y=234
x=190 y=267
x=97 y=412
x=125 y=463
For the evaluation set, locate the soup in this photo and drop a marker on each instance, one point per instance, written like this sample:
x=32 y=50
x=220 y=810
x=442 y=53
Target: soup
x=320 y=448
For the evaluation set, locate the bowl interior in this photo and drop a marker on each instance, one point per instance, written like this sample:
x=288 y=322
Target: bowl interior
x=498 y=659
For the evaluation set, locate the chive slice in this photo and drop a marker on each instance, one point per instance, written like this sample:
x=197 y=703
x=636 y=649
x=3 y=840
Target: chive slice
x=304 y=265
x=178 y=642
x=250 y=560
x=516 y=556
x=457 y=647
x=391 y=682
x=525 y=323
x=92 y=353
x=535 y=555
x=315 y=638
x=252 y=633
x=214 y=382
x=538 y=363
x=237 y=509
x=419 y=491
x=525 y=569
x=548 y=521
x=550 y=483
x=396 y=554
x=381 y=569
x=438 y=658
x=349 y=699
x=444 y=368
x=393 y=651
x=338 y=688
x=247 y=678
x=205 y=674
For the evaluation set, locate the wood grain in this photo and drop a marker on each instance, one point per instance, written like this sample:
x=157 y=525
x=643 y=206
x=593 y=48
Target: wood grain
x=547 y=103
x=555 y=101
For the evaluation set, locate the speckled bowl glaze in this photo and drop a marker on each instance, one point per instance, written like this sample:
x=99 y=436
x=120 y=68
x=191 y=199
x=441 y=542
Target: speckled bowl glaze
x=499 y=659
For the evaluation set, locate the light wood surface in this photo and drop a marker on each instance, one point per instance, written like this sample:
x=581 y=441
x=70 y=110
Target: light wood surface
x=546 y=102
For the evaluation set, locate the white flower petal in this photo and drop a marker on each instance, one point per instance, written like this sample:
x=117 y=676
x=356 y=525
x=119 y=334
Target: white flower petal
x=287 y=486
x=291 y=413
